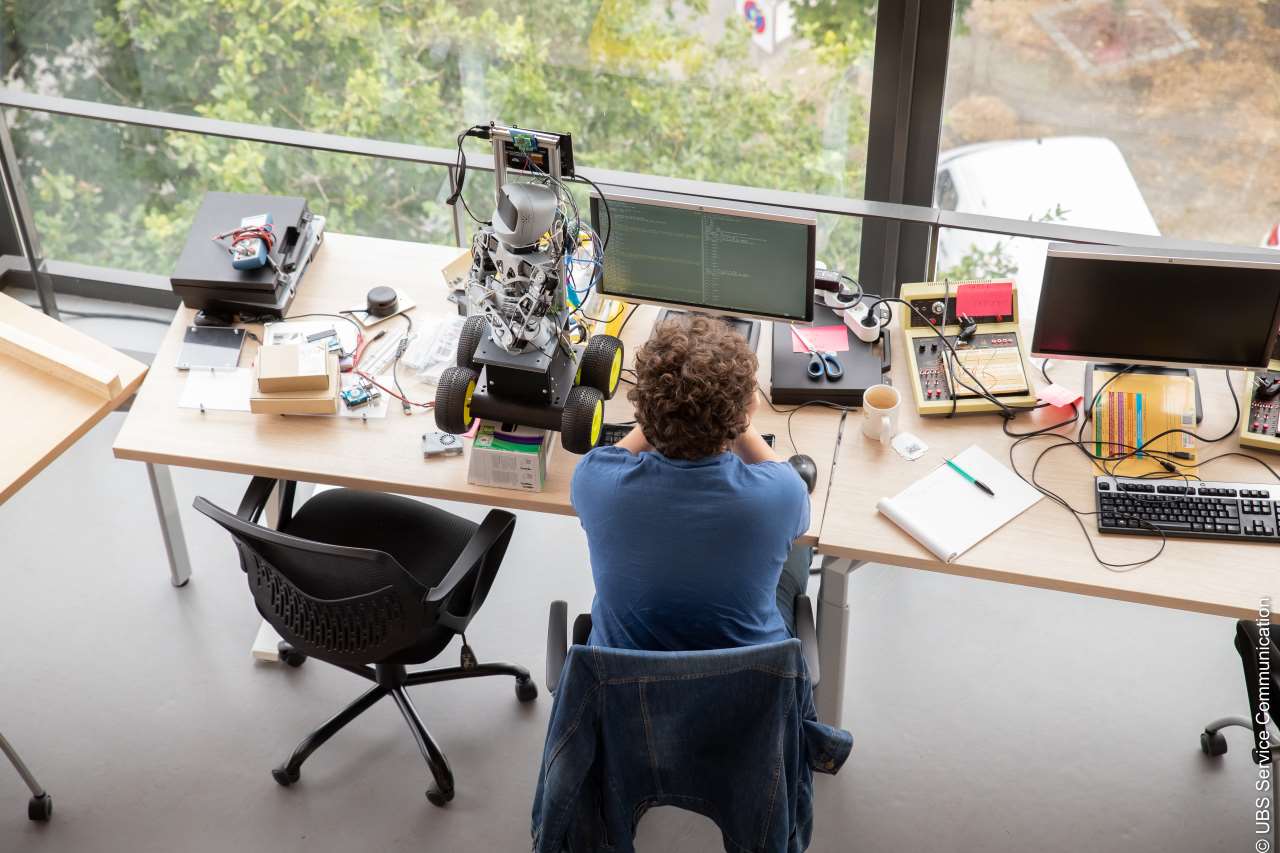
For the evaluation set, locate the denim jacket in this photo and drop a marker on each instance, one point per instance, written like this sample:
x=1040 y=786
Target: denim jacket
x=731 y=734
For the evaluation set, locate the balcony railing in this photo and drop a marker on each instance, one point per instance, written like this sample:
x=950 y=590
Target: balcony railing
x=607 y=179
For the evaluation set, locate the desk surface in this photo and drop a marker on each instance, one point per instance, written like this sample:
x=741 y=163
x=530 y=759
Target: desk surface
x=385 y=454
x=47 y=415
x=1045 y=547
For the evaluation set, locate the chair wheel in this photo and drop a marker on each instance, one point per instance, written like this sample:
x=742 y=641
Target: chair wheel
x=438 y=797
x=526 y=690
x=40 y=808
x=284 y=776
x=289 y=655
x=1213 y=743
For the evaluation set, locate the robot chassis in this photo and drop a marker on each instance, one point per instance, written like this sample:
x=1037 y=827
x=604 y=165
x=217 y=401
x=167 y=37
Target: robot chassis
x=515 y=362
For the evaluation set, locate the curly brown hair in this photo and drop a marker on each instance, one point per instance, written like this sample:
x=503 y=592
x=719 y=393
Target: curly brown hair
x=695 y=378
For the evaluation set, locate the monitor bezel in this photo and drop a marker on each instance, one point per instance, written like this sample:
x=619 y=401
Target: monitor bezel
x=750 y=211
x=1241 y=259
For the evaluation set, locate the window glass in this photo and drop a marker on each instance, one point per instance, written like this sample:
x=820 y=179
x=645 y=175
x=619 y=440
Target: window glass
x=1146 y=116
x=763 y=93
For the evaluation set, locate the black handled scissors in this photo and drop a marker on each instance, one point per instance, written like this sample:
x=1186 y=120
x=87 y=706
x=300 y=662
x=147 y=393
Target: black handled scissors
x=821 y=364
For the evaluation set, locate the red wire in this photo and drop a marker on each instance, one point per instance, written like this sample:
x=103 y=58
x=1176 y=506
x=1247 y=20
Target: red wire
x=355 y=368
x=252 y=232
x=402 y=399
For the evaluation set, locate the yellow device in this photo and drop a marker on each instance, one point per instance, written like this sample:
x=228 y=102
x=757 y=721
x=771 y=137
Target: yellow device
x=994 y=353
x=1260 y=425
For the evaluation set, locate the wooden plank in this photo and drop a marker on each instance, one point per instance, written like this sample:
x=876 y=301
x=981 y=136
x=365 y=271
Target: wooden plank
x=45 y=418
x=48 y=357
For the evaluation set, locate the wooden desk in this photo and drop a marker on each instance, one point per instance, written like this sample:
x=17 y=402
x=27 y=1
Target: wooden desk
x=46 y=415
x=385 y=454
x=1043 y=547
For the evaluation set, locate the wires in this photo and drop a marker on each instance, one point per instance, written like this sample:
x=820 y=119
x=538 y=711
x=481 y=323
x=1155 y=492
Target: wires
x=459 y=174
x=401 y=345
x=608 y=217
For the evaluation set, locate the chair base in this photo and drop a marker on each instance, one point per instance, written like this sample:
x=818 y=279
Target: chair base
x=1213 y=742
x=40 y=806
x=392 y=681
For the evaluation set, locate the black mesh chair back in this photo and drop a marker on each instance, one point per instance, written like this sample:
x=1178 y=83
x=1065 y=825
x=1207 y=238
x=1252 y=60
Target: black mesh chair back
x=372 y=612
x=348 y=606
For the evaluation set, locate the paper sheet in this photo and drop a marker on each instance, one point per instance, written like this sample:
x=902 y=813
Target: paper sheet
x=217 y=390
x=823 y=338
x=1056 y=395
x=985 y=299
x=949 y=515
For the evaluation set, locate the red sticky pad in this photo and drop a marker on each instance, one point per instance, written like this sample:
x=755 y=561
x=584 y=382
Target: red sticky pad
x=985 y=299
x=821 y=338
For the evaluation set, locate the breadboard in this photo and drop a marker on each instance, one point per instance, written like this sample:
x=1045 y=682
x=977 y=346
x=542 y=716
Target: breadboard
x=1260 y=421
x=1000 y=370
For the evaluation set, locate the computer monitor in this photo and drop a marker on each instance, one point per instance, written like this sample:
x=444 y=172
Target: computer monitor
x=1164 y=308
x=727 y=259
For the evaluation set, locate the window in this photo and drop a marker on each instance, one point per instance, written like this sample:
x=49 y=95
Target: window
x=764 y=93
x=1146 y=116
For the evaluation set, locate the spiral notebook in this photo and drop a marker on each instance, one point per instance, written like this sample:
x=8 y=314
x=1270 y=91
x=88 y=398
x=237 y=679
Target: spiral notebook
x=949 y=515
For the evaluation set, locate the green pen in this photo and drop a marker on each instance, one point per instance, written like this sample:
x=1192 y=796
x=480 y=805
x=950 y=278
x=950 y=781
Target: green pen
x=963 y=473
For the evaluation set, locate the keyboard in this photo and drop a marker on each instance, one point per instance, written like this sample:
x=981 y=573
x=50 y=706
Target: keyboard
x=613 y=433
x=1198 y=509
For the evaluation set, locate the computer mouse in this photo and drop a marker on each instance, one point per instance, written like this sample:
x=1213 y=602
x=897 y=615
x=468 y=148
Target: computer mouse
x=807 y=470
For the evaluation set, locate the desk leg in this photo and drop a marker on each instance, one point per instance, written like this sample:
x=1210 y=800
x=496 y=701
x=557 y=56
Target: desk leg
x=833 y=637
x=175 y=543
x=266 y=643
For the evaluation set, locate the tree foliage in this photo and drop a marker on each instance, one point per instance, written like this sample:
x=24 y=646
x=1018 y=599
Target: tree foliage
x=640 y=83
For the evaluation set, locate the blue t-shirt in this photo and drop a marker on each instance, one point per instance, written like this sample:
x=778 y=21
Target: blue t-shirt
x=686 y=554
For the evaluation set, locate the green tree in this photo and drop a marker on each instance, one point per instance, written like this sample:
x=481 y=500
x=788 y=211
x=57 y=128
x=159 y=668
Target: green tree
x=640 y=89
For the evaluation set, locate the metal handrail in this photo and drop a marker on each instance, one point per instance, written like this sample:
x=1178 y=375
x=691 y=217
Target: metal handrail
x=818 y=203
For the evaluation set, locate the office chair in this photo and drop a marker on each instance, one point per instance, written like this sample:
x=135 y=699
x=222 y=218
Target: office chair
x=730 y=734
x=371 y=583
x=1248 y=643
x=40 y=806
x=558 y=638
x=1257 y=666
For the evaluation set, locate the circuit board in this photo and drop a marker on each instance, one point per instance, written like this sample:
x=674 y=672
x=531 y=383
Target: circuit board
x=1261 y=425
x=992 y=359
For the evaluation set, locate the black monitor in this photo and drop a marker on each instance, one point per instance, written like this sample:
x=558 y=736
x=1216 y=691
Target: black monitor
x=724 y=258
x=1165 y=308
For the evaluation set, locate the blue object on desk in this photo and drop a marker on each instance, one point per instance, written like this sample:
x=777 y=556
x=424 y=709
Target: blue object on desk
x=822 y=365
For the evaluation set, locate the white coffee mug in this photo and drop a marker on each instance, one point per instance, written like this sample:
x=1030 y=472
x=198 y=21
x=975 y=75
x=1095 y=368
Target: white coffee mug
x=880 y=405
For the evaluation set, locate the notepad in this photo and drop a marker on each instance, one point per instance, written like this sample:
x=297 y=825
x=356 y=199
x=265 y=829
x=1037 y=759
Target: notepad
x=949 y=515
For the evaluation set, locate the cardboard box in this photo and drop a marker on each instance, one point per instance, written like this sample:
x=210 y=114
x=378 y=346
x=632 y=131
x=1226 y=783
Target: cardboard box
x=292 y=367
x=510 y=459
x=320 y=402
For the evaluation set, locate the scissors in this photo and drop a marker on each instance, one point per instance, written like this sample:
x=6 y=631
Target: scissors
x=821 y=363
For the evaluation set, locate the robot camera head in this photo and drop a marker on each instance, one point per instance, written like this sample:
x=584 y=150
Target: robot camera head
x=525 y=212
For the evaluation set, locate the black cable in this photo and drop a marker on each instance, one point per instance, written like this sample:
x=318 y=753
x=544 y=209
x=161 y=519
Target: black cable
x=459 y=176
x=790 y=413
x=608 y=217
x=103 y=315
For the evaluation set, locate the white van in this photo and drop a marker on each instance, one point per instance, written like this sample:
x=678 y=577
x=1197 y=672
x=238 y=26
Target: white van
x=1077 y=180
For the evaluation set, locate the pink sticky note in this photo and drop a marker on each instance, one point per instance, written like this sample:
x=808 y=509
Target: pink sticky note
x=985 y=299
x=1056 y=395
x=821 y=338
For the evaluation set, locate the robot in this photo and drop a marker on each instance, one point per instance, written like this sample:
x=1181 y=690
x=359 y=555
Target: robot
x=516 y=362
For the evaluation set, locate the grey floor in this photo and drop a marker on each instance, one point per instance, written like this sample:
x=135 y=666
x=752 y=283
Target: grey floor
x=986 y=717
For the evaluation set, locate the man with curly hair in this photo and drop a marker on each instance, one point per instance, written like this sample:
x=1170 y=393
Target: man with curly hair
x=690 y=519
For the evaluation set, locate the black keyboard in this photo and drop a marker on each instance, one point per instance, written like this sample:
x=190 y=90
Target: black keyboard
x=1193 y=508
x=613 y=433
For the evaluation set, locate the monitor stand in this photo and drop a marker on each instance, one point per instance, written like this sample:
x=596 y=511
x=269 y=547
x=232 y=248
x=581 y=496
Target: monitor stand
x=1090 y=367
x=749 y=329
